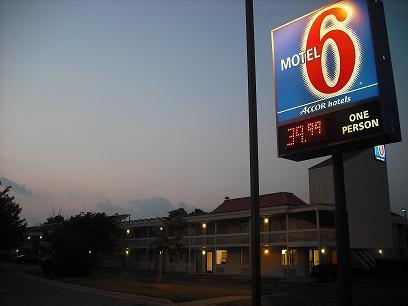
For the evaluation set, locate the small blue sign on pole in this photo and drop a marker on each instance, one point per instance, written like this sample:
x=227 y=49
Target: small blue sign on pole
x=379 y=153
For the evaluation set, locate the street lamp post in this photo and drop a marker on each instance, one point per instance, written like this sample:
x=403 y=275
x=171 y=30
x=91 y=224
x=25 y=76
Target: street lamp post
x=253 y=155
x=405 y=213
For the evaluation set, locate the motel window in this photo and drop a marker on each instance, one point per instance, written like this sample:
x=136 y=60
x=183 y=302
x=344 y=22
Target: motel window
x=316 y=257
x=222 y=256
x=284 y=258
x=244 y=259
x=289 y=258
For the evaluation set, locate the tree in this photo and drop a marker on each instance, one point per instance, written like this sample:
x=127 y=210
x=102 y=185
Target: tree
x=55 y=219
x=12 y=228
x=170 y=236
x=76 y=241
x=197 y=212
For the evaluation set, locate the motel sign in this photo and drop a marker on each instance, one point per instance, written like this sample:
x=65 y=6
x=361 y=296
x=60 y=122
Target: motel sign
x=334 y=87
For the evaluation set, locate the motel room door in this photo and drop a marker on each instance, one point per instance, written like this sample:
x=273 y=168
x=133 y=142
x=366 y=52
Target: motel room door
x=209 y=262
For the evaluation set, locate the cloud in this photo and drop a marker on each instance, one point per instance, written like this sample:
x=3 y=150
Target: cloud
x=15 y=187
x=110 y=208
x=37 y=206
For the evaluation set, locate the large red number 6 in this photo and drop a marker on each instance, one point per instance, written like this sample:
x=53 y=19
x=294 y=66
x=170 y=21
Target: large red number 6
x=330 y=28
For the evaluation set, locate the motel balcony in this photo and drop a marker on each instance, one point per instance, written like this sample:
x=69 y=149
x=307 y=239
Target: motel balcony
x=309 y=226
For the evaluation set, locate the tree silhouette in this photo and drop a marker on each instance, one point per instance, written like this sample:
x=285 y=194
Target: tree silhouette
x=12 y=228
x=76 y=241
x=55 y=219
x=169 y=236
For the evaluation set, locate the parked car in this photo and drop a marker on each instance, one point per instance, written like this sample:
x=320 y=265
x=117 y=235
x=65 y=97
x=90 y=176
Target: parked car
x=20 y=258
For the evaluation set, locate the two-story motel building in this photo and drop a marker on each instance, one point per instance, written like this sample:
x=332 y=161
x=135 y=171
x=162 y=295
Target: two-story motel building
x=295 y=235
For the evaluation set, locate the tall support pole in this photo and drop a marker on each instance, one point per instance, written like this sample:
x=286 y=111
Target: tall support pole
x=344 y=290
x=253 y=153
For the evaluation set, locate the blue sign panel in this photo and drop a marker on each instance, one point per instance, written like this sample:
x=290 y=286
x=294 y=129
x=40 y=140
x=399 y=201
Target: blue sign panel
x=324 y=62
x=379 y=153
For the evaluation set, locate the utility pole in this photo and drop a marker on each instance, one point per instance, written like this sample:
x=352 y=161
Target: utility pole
x=253 y=153
x=344 y=289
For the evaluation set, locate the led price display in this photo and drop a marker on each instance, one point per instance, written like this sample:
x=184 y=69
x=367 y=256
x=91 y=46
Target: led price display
x=305 y=133
x=334 y=86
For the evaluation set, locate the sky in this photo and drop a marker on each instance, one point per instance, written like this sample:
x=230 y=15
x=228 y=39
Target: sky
x=141 y=106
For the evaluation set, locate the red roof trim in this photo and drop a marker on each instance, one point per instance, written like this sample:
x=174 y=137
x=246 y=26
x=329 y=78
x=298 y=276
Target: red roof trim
x=266 y=200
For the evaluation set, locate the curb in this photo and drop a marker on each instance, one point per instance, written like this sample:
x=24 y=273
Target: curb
x=214 y=301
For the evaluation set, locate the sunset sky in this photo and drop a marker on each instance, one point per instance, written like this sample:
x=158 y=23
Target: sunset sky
x=140 y=106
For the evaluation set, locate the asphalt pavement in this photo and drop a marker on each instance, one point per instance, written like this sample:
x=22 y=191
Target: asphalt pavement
x=20 y=290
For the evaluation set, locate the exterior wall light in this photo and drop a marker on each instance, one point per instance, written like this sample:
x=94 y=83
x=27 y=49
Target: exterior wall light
x=161 y=228
x=323 y=251
x=266 y=251
x=40 y=236
x=128 y=231
x=127 y=252
x=380 y=251
x=90 y=252
x=266 y=220
x=29 y=238
x=161 y=252
x=203 y=252
x=204 y=225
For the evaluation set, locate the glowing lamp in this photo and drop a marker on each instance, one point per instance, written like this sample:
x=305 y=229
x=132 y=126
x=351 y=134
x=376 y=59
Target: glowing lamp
x=266 y=251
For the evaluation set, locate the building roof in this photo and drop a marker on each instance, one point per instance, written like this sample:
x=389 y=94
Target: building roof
x=266 y=200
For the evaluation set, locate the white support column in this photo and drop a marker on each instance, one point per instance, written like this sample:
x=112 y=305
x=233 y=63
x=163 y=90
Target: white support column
x=250 y=243
x=287 y=244
x=189 y=248
x=147 y=247
x=215 y=248
x=318 y=228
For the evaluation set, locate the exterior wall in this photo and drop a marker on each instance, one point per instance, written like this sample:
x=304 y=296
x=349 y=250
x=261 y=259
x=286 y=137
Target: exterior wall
x=400 y=237
x=367 y=197
x=321 y=189
x=270 y=264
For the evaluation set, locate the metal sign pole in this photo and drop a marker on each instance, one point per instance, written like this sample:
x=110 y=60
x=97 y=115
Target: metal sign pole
x=344 y=290
x=253 y=153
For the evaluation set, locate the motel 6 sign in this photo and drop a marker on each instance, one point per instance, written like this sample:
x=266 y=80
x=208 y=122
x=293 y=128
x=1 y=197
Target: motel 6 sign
x=334 y=86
